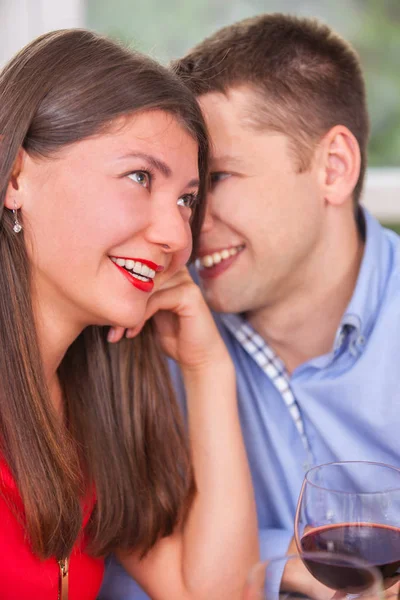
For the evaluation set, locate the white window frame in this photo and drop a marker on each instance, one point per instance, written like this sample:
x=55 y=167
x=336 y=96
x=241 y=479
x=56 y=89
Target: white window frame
x=23 y=20
x=382 y=193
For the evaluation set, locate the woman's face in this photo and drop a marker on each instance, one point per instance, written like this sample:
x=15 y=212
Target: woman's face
x=107 y=220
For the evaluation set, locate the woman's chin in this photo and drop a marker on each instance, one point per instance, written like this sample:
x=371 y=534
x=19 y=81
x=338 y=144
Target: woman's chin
x=118 y=316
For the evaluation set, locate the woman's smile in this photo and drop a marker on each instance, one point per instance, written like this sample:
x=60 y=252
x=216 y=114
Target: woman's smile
x=138 y=271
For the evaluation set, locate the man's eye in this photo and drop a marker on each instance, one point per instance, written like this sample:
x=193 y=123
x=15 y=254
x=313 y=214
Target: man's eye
x=216 y=177
x=188 y=200
x=140 y=177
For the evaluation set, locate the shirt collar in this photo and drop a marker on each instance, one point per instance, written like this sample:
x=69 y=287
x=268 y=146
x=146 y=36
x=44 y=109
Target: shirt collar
x=364 y=305
x=234 y=322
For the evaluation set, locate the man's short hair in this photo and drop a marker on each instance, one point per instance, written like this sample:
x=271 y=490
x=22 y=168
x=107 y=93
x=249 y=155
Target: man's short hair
x=306 y=79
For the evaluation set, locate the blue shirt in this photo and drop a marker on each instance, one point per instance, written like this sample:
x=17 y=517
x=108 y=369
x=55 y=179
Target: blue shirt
x=348 y=400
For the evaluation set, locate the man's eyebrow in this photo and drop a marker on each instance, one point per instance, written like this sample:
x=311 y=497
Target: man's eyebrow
x=158 y=164
x=193 y=183
x=225 y=161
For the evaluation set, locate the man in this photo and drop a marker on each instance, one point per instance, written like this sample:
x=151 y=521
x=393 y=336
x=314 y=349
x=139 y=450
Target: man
x=305 y=283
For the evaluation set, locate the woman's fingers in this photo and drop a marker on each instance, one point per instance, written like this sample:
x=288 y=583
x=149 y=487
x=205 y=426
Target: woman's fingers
x=184 y=323
x=182 y=299
x=115 y=334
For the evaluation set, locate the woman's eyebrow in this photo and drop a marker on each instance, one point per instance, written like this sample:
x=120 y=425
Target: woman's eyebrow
x=158 y=164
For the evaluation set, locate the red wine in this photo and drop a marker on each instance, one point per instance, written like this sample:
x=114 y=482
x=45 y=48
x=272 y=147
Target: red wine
x=379 y=545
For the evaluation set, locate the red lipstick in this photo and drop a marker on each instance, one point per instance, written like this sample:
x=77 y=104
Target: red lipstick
x=144 y=286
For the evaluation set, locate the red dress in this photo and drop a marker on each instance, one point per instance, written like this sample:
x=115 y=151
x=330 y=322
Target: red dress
x=22 y=574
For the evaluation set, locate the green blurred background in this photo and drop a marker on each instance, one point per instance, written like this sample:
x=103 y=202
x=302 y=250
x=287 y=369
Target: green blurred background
x=166 y=29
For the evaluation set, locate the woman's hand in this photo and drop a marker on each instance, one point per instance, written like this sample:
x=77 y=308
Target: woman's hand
x=184 y=323
x=209 y=556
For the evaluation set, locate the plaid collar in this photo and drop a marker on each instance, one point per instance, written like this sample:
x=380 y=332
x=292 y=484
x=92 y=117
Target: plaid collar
x=273 y=367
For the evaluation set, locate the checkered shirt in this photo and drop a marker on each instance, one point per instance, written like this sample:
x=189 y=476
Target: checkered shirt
x=272 y=366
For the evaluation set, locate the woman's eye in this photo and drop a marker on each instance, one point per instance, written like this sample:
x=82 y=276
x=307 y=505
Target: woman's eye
x=188 y=200
x=141 y=177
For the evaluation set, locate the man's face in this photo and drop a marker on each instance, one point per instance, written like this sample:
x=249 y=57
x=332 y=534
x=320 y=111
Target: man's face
x=265 y=220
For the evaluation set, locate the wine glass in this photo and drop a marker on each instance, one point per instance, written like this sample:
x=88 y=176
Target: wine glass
x=265 y=581
x=351 y=508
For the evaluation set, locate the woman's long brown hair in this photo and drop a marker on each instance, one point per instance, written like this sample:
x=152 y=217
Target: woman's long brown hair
x=123 y=435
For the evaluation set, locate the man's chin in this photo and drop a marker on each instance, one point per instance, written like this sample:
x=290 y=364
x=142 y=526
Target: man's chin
x=221 y=302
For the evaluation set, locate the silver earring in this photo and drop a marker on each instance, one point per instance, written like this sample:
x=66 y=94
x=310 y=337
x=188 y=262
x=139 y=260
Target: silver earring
x=17 y=225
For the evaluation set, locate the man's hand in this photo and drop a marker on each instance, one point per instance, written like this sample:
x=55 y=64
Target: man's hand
x=297 y=578
x=393 y=593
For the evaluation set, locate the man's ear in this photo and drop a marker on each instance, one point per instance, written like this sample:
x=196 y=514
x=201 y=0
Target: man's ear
x=13 y=197
x=340 y=161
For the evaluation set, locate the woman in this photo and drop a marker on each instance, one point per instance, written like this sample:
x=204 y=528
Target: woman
x=102 y=174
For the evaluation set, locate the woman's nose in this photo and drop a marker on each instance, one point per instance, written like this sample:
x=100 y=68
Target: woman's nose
x=170 y=229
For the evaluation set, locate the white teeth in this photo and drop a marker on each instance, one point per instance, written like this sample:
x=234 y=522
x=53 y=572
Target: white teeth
x=207 y=261
x=214 y=259
x=140 y=277
x=139 y=270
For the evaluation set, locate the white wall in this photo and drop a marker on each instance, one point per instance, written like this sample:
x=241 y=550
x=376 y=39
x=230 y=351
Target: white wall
x=23 y=20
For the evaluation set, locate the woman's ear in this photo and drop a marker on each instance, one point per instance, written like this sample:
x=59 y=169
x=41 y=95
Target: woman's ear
x=13 y=199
